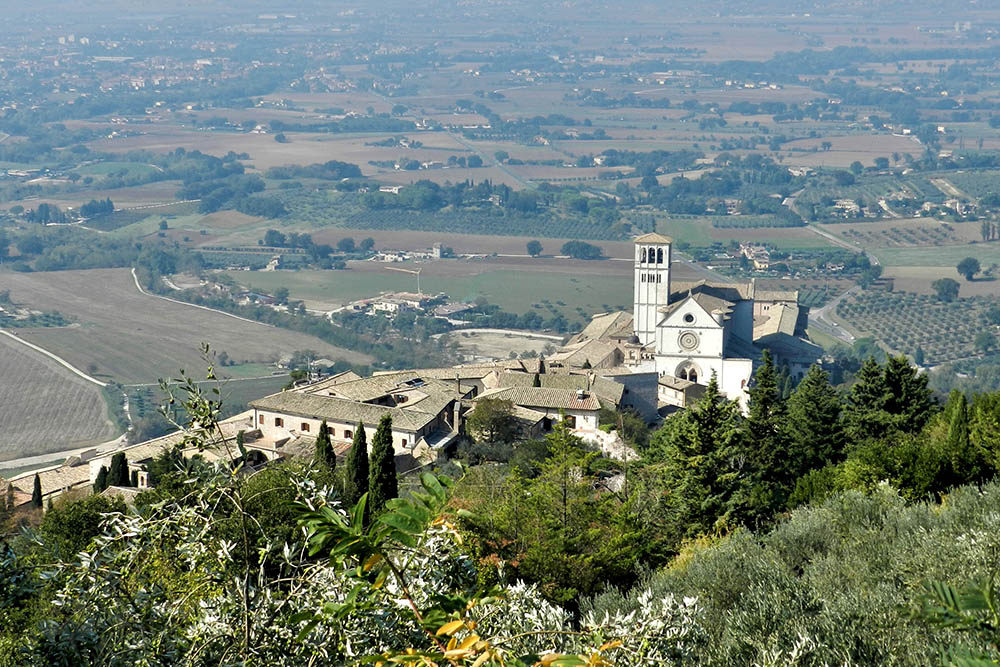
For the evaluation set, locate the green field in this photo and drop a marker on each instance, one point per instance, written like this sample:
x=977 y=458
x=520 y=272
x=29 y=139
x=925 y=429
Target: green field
x=145 y=401
x=700 y=233
x=513 y=291
x=106 y=168
x=986 y=253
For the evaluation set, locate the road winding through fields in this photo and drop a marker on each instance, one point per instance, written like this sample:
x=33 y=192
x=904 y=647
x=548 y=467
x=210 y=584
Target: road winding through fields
x=820 y=318
x=135 y=279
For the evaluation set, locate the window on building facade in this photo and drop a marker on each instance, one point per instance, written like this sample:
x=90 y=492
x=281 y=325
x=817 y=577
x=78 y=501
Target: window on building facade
x=260 y=419
x=305 y=427
x=659 y=255
x=348 y=434
x=642 y=255
x=278 y=421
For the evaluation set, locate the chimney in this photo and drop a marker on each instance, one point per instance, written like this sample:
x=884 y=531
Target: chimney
x=581 y=394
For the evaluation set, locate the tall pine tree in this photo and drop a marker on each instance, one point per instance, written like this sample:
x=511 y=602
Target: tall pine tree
x=814 y=427
x=908 y=398
x=356 y=473
x=324 y=448
x=767 y=443
x=382 y=483
x=700 y=451
x=866 y=416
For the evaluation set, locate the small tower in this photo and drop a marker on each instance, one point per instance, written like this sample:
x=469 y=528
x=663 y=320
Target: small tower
x=651 y=284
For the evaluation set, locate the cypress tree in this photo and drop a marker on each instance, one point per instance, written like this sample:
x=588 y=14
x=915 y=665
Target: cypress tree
x=324 y=448
x=968 y=462
x=101 y=482
x=382 y=483
x=815 y=429
x=36 y=493
x=356 y=475
x=118 y=475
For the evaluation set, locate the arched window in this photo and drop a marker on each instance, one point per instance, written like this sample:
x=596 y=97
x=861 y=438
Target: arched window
x=688 y=371
x=642 y=256
x=659 y=255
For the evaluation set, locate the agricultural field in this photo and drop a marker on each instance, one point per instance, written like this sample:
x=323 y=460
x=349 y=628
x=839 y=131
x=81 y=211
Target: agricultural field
x=904 y=321
x=514 y=287
x=904 y=233
x=464 y=243
x=863 y=148
x=235 y=394
x=699 y=232
x=131 y=337
x=158 y=192
x=976 y=184
x=918 y=279
x=45 y=407
x=125 y=169
x=944 y=256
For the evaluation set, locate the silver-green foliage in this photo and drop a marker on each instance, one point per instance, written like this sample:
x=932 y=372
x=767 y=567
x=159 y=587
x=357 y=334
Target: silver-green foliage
x=839 y=583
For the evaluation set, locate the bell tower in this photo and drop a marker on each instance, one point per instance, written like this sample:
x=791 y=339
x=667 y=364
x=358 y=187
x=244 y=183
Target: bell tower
x=651 y=285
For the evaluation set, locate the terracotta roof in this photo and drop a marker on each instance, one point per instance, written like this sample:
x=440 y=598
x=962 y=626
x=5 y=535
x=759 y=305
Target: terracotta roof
x=411 y=418
x=606 y=325
x=541 y=397
x=608 y=390
x=58 y=478
x=729 y=291
x=597 y=352
x=653 y=238
x=779 y=318
x=776 y=295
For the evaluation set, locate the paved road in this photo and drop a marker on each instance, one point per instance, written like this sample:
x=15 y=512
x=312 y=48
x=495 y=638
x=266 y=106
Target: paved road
x=487 y=159
x=821 y=319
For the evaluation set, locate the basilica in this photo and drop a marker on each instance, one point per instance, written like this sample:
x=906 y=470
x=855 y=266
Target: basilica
x=689 y=332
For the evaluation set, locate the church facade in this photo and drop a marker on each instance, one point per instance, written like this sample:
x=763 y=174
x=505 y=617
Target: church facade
x=696 y=330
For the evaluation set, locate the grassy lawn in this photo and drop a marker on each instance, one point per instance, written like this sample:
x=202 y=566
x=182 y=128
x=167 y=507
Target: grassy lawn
x=823 y=340
x=513 y=291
